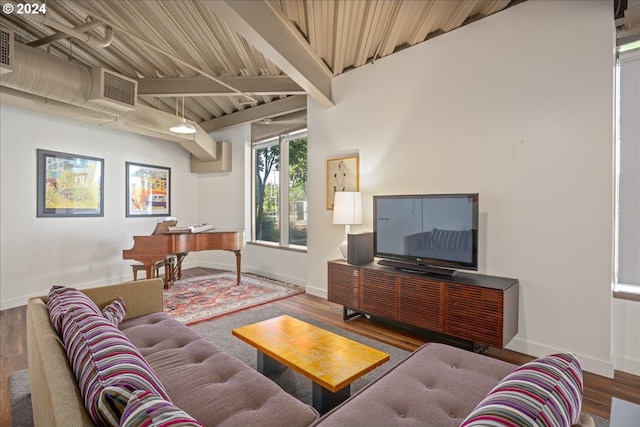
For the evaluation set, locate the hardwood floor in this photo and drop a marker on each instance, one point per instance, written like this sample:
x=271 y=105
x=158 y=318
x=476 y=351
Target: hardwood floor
x=598 y=390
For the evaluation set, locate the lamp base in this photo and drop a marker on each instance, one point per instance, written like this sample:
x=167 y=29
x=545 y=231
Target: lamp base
x=344 y=249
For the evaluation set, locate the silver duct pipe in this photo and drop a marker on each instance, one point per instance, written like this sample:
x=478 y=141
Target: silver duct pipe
x=42 y=74
x=61 y=87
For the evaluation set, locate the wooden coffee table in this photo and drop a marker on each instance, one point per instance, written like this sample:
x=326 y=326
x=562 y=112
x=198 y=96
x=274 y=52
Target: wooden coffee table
x=331 y=361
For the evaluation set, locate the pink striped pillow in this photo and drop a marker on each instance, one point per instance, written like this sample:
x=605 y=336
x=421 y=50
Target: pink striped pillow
x=115 y=311
x=544 y=392
x=61 y=299
x=147 y=409
x=100 y=355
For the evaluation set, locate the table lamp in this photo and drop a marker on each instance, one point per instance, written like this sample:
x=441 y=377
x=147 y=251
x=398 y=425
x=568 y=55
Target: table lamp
x=347 y=211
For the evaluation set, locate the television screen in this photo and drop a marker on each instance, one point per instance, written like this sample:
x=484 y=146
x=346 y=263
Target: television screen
x=439 y=230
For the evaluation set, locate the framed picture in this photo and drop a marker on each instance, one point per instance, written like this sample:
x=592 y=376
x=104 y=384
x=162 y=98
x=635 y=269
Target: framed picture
x=69 y=185
x=342 y=175
x=148 y=190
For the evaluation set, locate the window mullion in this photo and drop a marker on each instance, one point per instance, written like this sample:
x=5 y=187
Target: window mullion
x=284 y=192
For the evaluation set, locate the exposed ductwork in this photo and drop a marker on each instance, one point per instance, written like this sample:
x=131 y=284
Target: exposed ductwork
x=108 y=98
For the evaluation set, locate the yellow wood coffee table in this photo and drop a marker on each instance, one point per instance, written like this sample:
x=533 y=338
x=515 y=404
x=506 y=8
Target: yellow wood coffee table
x=331 y=361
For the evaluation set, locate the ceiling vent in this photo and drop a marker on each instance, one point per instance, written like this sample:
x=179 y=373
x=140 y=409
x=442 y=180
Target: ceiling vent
x=6 y=50
x=112 y=88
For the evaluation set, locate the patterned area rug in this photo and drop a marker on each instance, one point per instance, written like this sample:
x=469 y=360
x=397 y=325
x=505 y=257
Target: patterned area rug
x=202 y=298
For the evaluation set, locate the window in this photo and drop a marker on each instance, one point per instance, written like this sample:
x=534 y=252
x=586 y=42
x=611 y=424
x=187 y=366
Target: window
x=280 y=163
x=627 y=247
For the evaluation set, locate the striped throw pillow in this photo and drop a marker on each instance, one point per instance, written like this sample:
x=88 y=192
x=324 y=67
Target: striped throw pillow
x=544 y=392
x=147 y=409
x=115 y=311
x=61 y=299
x=100 y=356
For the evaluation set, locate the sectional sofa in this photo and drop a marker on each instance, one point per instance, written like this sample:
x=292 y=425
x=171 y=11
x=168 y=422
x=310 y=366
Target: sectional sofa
x=110 y=356
x=150 y=370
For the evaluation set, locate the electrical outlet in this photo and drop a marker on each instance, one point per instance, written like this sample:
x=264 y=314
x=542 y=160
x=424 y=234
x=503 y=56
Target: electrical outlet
x=90 y=267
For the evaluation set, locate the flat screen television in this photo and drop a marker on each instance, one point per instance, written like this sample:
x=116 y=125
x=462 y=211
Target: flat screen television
x=434 y=233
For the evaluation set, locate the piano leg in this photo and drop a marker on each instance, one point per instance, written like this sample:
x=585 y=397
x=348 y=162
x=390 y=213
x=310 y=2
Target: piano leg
x=168 y=273
x=238 y=262
x=148 y=267
x=179 y=258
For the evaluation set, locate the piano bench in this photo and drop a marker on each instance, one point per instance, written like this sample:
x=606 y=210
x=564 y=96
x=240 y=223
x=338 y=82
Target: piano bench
x=155 y=269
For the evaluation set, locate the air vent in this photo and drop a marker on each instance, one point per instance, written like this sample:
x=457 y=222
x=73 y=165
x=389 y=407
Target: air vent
x=113 y=89
x=6 y=50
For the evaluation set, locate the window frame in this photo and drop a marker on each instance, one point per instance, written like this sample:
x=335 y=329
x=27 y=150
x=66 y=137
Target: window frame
x=620 y=290
x=283 y=182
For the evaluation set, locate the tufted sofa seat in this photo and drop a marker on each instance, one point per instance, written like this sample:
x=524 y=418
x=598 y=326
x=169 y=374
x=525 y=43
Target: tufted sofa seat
x=444 y=386
x=208 y=383
x=437 y=385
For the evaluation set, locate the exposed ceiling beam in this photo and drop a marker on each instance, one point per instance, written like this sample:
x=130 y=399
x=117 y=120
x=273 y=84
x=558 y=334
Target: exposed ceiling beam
x=269 y=30
x=262 y=129
x=272 y=109
x=60 y=35
x=202 y=86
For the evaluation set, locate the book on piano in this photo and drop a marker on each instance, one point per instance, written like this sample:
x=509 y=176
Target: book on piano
x=199 y=228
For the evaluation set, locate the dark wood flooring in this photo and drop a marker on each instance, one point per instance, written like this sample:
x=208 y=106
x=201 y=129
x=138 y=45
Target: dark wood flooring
x=597 y=394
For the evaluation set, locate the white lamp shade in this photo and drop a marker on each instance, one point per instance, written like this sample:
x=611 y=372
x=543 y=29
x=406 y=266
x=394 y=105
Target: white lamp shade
x=347 y=208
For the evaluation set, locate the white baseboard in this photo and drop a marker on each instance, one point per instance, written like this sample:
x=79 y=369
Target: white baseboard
x=626 y=364
x=258 y=272
x=588 y=363
x=318 y=292
x=23 y=299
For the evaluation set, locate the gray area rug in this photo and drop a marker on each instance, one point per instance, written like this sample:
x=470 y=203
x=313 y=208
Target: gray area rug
x=292 y=382
x=218 y=331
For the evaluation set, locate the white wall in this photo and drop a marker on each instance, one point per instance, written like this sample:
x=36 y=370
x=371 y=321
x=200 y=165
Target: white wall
x=514 y=107
x=39 y=252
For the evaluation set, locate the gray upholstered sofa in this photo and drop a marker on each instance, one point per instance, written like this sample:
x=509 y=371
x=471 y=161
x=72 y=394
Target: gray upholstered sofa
x=199 y=378
x=437 y=385
x=444 y=386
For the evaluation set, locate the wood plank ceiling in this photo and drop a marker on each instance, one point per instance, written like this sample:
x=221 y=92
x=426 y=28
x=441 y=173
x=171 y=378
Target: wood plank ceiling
x=239 y=61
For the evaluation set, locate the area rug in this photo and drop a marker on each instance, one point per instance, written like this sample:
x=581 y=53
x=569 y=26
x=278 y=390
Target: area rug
x=203 y=298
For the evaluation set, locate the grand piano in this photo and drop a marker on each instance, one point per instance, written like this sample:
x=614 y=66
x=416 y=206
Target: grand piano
x=157 y=247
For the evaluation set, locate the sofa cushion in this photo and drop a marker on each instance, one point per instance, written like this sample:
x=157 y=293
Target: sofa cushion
x=61 y=299
x=208 y=383
x=100 y=355
x=544 y=392
x=147 y=409
x=115 y=311
x=437 y=385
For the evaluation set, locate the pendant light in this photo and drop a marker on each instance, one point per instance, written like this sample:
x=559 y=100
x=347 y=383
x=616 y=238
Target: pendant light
x=182 y=126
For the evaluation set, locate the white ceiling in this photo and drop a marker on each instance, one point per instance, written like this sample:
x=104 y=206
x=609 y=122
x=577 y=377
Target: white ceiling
x=238 y=61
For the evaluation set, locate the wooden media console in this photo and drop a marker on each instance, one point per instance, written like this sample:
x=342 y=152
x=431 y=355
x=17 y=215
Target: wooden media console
x=476 y=308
